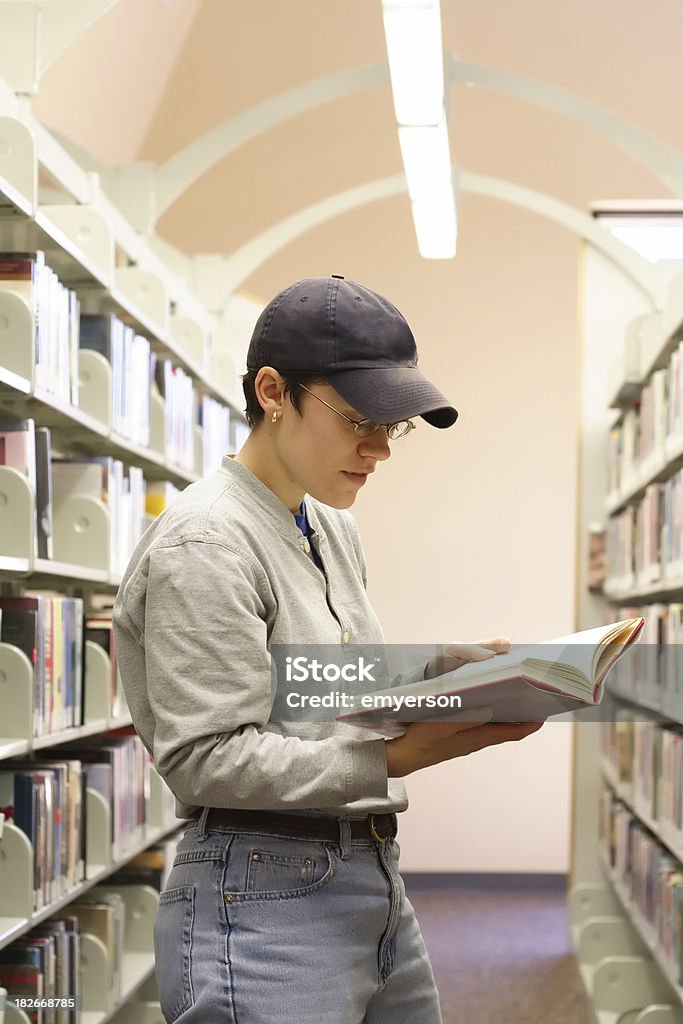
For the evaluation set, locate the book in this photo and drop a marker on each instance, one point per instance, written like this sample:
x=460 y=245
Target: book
x=23 y=274
x=21 y=976
x=99 y=919
x=50 y=632
x=528 y=684
x=44 y=492
x=29 y=799
x=18 y=450
x=19 y=628
x=99 y=630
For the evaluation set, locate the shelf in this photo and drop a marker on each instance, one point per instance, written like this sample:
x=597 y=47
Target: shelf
x=84 y=432
x=620 y=592
x=12 y=384
x=83 y=259
x=42 y=572
x=13 y=928
x=646 y=933
x=667 y=837
x=14 y=568
x=13 y=748
x=12 y=202
x=10 y=748
x=659 y=466
x=136 y=969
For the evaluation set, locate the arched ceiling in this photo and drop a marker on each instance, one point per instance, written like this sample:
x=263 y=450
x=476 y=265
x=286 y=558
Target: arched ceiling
x=152 y=75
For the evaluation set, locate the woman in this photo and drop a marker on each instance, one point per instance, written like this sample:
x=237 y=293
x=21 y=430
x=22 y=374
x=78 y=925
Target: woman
x=285 y=902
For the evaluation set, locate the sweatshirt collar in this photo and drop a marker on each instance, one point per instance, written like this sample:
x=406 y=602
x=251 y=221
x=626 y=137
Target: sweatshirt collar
x=265 y=498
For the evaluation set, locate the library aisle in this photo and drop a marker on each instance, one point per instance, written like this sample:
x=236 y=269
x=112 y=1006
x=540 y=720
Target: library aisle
x=166 y=168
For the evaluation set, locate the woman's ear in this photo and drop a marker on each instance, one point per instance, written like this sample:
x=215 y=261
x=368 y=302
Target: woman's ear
x=269 y=388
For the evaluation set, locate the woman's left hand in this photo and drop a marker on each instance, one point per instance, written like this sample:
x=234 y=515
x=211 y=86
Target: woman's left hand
x=454 y=656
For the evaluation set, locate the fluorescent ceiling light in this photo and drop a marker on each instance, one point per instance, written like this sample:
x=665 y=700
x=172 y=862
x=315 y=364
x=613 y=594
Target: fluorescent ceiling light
x=436 y=224
x=426 y=159
x=414 y=48
x=653 y=237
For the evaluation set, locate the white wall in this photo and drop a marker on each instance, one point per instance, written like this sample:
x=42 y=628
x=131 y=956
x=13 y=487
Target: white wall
x=471 y=532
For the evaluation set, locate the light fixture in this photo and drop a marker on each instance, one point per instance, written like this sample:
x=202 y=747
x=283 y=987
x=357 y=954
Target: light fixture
x=436 y=224
x=413 y=34
x=426 y=157
x=656 y=236
x=415 y=51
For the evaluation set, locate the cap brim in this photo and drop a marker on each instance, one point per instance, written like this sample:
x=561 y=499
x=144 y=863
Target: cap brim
x=387 y=394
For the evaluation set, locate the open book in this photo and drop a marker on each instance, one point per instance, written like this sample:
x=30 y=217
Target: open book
x=528 y=684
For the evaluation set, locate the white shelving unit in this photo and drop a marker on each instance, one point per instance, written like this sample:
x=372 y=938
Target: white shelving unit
x=624 y=971
x=94 y=250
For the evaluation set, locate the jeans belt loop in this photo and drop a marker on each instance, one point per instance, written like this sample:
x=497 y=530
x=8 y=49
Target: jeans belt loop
x=201 y=824
x=345 y=838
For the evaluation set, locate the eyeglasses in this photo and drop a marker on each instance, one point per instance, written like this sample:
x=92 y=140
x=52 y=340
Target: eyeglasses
x=366 y=428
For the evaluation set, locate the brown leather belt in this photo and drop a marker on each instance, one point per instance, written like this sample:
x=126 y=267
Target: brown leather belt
x=377 y=827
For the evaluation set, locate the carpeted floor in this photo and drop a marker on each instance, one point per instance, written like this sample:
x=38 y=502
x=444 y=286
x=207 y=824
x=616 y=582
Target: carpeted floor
x=501 y=957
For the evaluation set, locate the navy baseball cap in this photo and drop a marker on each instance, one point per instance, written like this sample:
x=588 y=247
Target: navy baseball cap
x=358 y=340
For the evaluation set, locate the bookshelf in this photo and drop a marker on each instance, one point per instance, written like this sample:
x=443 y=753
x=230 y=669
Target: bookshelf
x=113 y=269
x=622 y=939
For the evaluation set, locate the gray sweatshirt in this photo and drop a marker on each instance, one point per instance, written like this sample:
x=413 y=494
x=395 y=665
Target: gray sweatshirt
x=220 y=577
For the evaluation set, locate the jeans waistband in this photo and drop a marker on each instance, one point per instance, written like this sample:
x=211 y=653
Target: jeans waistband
x=377 y=827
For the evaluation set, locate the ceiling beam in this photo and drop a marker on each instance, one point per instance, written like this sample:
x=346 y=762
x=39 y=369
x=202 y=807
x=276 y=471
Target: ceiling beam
x=243 y=262
x=182 y=170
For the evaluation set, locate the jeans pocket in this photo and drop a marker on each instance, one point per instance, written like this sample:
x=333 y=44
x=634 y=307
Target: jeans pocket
x=173 y=928
x=264 y=867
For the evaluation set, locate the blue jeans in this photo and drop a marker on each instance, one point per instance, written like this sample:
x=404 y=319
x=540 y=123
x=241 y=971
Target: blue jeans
x=262 y=929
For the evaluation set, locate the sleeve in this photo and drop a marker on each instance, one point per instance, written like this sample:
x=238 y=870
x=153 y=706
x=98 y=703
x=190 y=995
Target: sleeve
x=208 y=675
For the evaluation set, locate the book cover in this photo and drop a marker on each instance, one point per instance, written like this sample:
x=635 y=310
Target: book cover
x=38 y=606
x=44 y=493
x=530 y=683
x=18 y=448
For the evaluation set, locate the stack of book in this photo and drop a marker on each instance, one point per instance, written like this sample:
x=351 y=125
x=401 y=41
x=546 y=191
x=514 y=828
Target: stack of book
x=55 y=310
x=118 y=767
x=645 y=540
x=27 y=448
x=120 y=488
x=49 y=630
x=181 y=402
x=44 y=966
x=132 y=362
x=46 y=800
x=242 y=431
x=99 y=630
x=214 y=419
x=649 y=875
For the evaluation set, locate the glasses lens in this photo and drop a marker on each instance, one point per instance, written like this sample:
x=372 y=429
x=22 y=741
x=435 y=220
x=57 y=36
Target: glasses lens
x=400 y=429
x=366 y=428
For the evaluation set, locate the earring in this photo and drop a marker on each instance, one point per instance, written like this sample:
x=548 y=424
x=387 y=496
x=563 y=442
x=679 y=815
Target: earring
x=274 y=417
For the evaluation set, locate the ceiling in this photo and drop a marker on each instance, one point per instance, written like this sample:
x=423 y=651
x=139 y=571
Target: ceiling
x=151 y=76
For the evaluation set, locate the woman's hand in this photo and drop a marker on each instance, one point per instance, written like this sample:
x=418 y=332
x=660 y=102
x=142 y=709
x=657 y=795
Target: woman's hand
x=454 y=656
x=427 y=743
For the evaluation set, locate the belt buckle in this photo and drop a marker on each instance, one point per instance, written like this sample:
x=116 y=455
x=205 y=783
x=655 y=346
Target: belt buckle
x=374 y=833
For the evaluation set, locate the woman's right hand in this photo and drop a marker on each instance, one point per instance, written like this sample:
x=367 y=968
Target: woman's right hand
x=427 y=743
